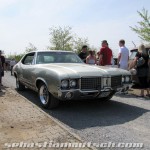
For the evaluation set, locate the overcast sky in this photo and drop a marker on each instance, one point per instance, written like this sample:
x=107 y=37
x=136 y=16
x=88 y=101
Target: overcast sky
x=28 y=21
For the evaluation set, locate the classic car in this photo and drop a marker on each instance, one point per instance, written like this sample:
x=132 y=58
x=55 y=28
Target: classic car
x=61 y=75
x=133 y=52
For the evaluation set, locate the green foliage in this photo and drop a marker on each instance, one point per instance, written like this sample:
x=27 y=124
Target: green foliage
x=61 y=38
x=143 y=30
x=64 y=39
x=79 y=42
x=16 y=57
x=30 y=48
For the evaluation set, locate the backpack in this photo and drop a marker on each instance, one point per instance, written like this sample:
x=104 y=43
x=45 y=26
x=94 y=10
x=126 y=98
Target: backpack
x=140 y=61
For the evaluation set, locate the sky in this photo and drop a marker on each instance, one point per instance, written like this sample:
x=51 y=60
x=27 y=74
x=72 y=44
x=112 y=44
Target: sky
x=28 y=21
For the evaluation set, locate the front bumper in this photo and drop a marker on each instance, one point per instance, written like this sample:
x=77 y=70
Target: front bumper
x=77 y=94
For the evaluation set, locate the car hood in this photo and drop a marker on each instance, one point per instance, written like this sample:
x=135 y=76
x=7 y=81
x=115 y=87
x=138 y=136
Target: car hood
x=82 y=70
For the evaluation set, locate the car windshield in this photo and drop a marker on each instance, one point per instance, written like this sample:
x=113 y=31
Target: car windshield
x=57 y=57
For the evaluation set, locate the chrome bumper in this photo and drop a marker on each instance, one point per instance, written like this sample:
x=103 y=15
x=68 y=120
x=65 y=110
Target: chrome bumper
x=76 y=94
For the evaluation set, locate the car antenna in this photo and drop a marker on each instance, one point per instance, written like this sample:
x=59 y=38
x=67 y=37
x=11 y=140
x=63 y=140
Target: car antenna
x=134 y=44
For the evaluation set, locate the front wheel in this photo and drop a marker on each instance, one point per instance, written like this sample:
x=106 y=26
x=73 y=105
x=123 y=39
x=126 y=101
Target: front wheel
x=19 y=85
x=46 y=99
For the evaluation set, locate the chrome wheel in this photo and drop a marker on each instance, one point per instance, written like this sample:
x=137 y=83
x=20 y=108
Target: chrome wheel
x=19 y=85
x=44 y=95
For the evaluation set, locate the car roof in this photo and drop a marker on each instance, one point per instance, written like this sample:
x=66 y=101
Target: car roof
x=62 y=51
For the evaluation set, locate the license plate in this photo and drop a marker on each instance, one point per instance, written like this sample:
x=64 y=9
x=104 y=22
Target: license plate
x=104 y=94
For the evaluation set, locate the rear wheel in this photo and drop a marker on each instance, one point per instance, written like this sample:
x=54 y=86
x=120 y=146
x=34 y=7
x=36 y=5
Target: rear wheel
x=19 y=85
x=46 y=99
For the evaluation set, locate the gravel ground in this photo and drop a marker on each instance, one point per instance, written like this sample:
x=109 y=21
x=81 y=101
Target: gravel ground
x=22 y=121
x=125 y=118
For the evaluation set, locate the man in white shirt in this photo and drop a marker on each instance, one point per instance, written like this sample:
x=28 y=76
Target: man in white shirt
x=12 y=63
x=123 y=56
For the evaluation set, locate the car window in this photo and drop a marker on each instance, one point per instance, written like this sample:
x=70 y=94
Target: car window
x=42 y=59
x=57 y=57
x=28 y=59
x=133 y=53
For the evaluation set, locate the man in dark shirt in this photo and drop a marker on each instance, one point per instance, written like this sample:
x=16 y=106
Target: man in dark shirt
x=2 y=59
x=105 y=54
x=83 y=53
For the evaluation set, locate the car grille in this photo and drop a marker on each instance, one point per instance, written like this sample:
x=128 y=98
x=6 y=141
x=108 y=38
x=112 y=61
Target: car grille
x=90 y=83
x=116 y=81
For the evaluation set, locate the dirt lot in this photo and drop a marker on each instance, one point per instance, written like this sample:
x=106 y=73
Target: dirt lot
x=22 y=121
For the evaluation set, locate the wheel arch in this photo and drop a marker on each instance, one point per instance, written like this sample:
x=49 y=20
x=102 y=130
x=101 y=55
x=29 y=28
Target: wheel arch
x=39 y=81
x=15 y=74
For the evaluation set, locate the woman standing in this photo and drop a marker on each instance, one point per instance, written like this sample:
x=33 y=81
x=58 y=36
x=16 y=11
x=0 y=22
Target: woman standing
x=91 y=58
x=142 y=61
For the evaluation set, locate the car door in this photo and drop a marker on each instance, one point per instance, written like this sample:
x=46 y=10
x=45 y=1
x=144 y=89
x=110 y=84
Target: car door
x=28 y=66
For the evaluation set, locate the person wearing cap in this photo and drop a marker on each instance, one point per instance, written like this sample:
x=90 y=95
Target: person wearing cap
x=2 y=59
x=123 y=56
x=83 y=53
x=105 y=54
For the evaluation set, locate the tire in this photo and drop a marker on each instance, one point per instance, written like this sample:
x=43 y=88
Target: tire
x=19 y=85
x=47 y=100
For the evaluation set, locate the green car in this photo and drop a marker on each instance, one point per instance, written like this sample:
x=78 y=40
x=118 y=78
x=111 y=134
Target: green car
x=61 y=75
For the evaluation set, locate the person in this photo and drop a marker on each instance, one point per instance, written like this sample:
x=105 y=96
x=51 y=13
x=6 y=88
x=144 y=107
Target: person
x=12 y=63
x=105 y=54
x=0 y=74
x=83 y=53
x=142 y=69
x=6 y=66
x=2 y=59
x=123 y=56
x=91 y=59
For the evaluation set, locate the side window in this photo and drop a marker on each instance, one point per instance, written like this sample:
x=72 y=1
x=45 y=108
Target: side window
x=28 y=59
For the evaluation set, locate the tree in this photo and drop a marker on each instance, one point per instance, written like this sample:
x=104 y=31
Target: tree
x=61 y=38
x=144 y=26
x=30 y=48
x=16 y=57
x=79 y=42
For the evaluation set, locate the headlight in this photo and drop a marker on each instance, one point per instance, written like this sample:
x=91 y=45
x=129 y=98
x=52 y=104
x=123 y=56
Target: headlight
x=123 y=79
x=127 y=79
x=64 y=84
x=73 y=83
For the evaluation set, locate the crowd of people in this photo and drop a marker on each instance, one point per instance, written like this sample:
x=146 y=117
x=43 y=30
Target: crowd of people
x=105 y=57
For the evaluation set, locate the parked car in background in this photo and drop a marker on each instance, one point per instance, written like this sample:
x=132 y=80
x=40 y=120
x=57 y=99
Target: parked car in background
x=61 y=75
x=131 y=58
